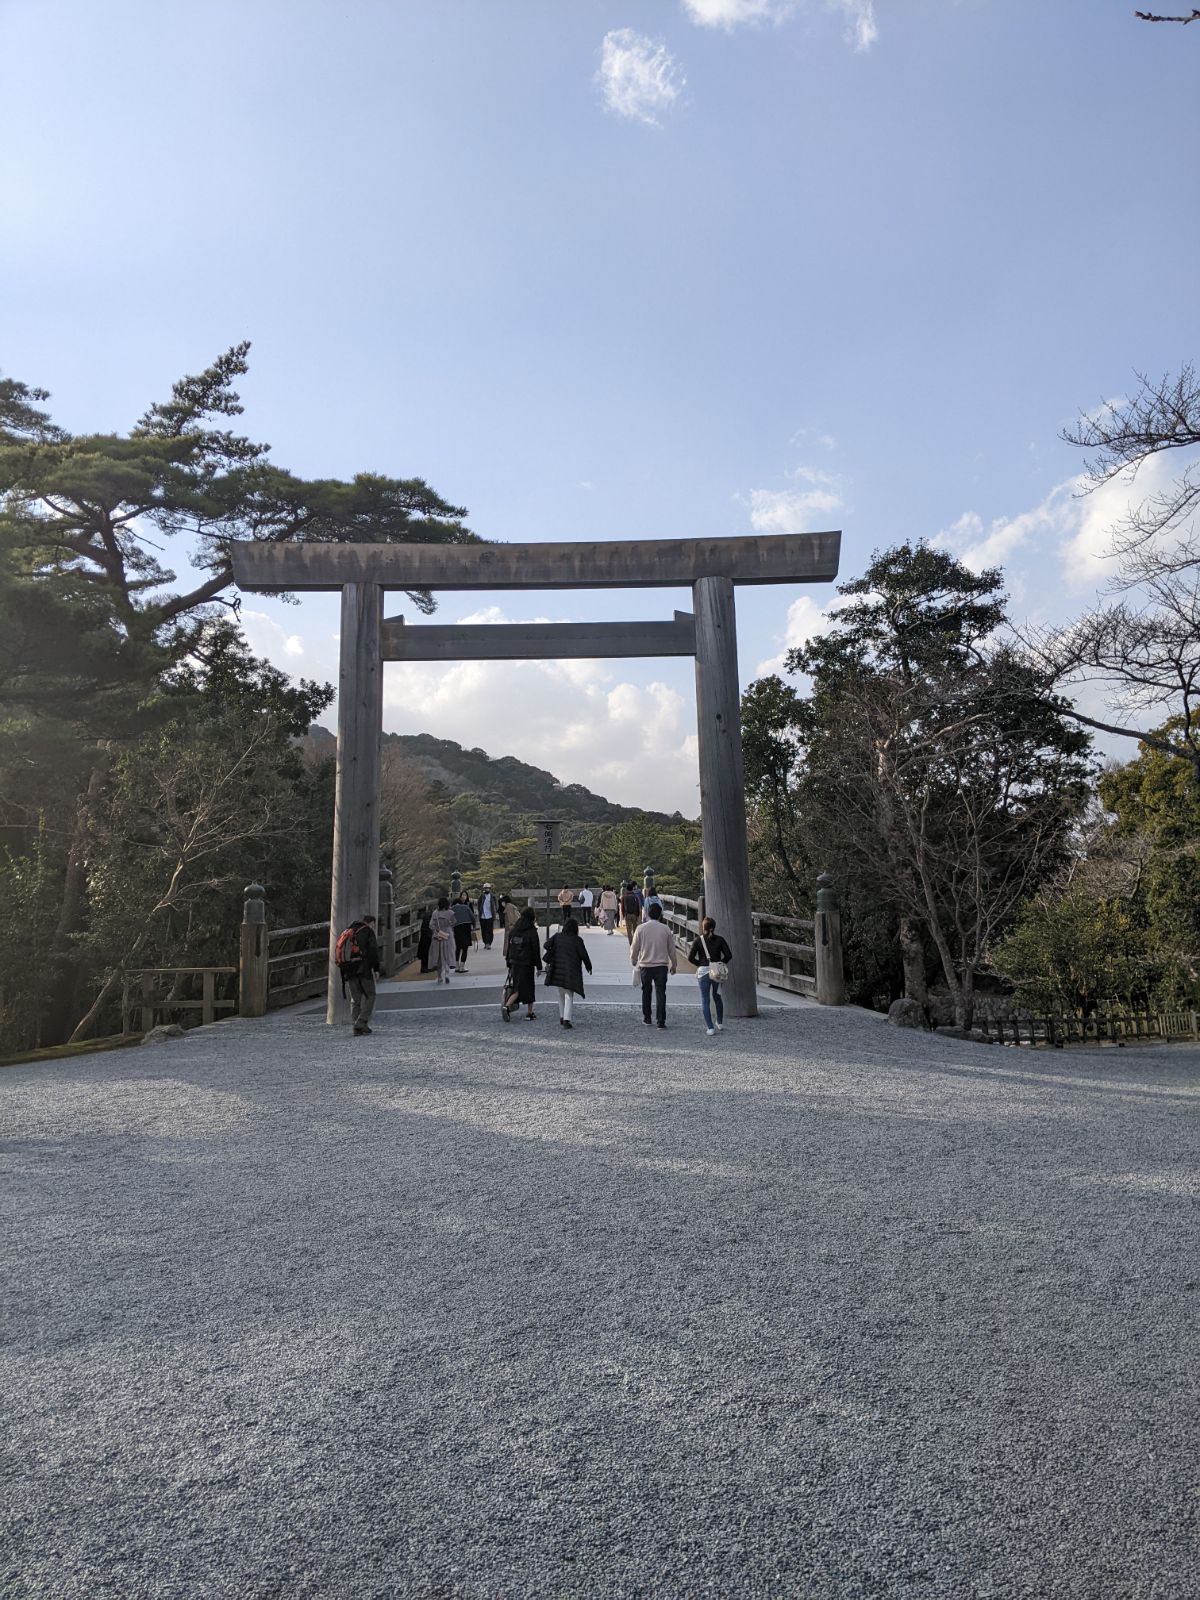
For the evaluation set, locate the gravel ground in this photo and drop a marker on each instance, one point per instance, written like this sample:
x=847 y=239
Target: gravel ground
x=816 y=1308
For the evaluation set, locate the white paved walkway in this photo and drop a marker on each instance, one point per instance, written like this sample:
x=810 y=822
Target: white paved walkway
x=611 y=982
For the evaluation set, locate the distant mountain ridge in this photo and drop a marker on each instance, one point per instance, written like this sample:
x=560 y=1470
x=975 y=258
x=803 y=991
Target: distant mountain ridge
x=503 y=780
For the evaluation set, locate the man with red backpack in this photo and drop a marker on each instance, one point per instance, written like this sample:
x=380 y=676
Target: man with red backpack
x=357 y=957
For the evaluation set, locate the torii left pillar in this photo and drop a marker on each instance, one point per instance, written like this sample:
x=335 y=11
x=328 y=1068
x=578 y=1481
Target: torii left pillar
x=356 y=806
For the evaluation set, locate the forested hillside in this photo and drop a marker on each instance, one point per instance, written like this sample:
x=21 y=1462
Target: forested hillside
x=496 y=780
x=446 y=809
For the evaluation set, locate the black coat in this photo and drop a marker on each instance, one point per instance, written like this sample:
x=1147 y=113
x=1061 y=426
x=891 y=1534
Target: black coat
x=369 y=945
x=524 y=948
x=566 y=957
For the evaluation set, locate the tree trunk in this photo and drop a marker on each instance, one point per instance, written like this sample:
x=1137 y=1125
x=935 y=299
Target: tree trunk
x=62 y=1002
x=967 y=1019
x=949 y=970
x=912 y=953
x=111 y=985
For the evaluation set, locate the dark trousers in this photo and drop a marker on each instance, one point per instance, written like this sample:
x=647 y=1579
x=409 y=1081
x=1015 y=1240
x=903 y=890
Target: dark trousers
x=485 y=928
x=362 y=1000
x=656 y=978
x=462 y=941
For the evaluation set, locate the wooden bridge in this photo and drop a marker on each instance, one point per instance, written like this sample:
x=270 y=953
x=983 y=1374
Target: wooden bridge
x=282 y=967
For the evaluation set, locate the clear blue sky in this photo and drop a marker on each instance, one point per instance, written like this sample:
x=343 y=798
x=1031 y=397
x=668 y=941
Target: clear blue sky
x=836 y=265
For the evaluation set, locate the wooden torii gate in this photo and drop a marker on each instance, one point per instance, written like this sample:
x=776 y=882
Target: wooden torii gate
x=709 y=567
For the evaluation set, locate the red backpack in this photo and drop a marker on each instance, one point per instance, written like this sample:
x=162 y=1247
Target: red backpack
x=348 y=953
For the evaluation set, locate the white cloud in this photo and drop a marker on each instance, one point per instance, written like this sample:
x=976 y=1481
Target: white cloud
x=825 y=440
x=1045 y=526
x=581 y=720
x=639 y=78
x=632 y=742
x=861 y=27
x=792 y=510
x=805 y=620
x=266 y=638
x=730 y=14
x=1068 y=525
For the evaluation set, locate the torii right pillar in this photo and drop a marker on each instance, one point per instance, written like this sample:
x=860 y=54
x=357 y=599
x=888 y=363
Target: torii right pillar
x=723 y=787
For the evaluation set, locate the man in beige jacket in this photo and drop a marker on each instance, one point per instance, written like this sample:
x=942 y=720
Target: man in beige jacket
x=652 y=953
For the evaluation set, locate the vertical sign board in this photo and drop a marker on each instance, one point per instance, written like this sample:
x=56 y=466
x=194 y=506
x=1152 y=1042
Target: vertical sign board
x=548 y=835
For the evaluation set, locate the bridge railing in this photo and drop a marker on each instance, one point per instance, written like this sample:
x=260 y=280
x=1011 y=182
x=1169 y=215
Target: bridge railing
x=282 y=966
x=683 y=918
x=297 y=963
x=784 y=957
x=786 y=948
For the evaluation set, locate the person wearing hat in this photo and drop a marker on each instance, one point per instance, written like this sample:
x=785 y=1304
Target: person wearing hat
x=487 y=915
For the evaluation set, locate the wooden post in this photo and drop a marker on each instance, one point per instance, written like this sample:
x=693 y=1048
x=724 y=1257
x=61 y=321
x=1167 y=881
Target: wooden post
x=827 y=941
x=355 y=891
x=252 y=954
x=147 y=985
x=387 y=921
x=208 y=993
x=722 y=787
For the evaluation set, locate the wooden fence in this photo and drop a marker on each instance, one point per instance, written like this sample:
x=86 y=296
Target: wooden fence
x=1117 y=1026
x=148 y=998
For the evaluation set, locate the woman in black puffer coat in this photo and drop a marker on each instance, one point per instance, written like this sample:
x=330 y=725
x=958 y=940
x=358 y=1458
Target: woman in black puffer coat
x=566 y=957
x=524 y=959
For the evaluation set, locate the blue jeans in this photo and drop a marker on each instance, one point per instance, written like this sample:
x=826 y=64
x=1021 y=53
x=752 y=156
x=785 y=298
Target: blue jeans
x=707 y=988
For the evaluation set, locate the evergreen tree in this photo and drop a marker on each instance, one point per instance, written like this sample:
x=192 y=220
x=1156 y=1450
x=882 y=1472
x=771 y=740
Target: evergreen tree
x=924 y=754
x=93 y=621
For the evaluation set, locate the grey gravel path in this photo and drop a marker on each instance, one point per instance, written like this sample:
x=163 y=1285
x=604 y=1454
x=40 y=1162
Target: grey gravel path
x=812 y=1309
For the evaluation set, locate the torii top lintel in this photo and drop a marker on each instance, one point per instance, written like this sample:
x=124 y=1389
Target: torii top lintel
x=617 y=564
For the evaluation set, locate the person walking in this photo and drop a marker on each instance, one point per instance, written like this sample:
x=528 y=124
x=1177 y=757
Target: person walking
x=585 y=906
x=651 y=900
x=464 y=925
x=524 y=959
x=566 y=899
x=710 y=956
x=631 y=910
x=512 y=915
x=652 y=953
x=566 y=957
x=358 y=959
x=424 y=940
x=441 y=926
x=609 y=906
x=488 y=909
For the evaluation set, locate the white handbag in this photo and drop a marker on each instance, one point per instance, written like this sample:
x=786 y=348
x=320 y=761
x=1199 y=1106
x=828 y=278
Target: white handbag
x=718 y=971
